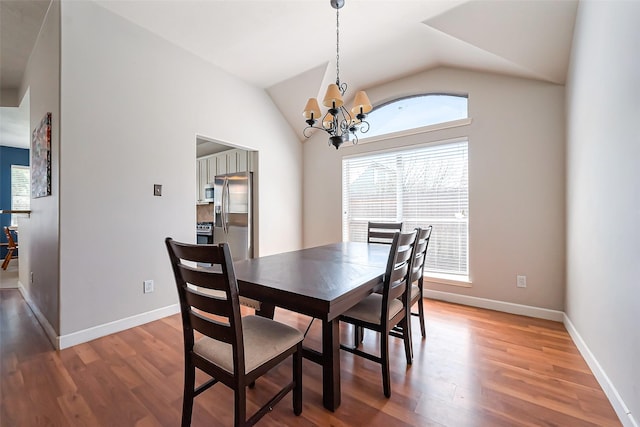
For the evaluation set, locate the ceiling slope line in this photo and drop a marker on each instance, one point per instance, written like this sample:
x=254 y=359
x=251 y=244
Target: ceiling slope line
x=520 y=70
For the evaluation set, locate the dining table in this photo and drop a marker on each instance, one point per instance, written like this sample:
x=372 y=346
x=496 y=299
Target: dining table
x=322 y=282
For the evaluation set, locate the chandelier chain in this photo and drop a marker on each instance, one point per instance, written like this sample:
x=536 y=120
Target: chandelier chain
x=341 y=124
x=338 y=47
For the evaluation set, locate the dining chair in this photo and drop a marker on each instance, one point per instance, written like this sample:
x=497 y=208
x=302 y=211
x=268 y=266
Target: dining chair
x=233 y=350
x=417 y=274
x=382 y=232
x=382 y=311
x=416 y=281
x=377 y=232
x=11 y=247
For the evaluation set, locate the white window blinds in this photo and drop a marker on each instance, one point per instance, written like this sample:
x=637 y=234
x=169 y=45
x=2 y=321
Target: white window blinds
x=420 y=187
x=20 y=190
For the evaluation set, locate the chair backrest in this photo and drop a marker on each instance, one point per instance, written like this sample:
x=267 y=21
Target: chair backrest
x=420 y=253
x=382 y=232
x=197 y=307
x=10 y=242
x=396 y=278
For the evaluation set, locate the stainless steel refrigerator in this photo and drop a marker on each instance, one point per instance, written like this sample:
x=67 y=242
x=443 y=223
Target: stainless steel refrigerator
x=232 y=211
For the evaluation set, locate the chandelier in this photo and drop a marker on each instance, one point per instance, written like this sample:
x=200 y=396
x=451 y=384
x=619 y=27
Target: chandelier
x=338 y=122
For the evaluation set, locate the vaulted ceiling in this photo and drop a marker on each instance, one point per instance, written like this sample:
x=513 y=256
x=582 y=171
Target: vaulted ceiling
x=288 y=47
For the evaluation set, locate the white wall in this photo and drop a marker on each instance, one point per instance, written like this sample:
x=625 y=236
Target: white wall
x=603 y=191
x=39 y=233
x=132 y=106
x=516 y=182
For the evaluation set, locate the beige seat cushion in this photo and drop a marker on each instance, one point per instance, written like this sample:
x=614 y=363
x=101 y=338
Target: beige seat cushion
x=368 y=310
x=263 y=340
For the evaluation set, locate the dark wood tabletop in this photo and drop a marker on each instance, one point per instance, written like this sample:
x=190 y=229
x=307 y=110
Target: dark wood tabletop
x=322 y=282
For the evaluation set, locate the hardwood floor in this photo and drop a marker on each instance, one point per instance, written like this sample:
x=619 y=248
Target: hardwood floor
x=9 y=277
x=475 y=368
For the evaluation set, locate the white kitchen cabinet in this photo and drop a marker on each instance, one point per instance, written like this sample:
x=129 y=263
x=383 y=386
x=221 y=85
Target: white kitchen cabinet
x=243 y=163
x=212 y=169
x=203 y=177
x=236 y=161
x=232 y=161
x=221 y=163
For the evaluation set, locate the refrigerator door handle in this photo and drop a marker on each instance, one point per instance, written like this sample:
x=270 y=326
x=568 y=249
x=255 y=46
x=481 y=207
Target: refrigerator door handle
x=225 y=206
x=224 y=182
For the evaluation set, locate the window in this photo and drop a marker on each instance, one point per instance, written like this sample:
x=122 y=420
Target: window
x=20 y=190
x=415 y=112
x=420 y=187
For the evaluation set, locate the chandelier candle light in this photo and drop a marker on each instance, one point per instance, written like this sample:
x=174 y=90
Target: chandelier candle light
x=338 y=122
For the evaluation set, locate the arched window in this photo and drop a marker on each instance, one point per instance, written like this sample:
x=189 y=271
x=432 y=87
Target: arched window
x=417 y=184
x=414 y=112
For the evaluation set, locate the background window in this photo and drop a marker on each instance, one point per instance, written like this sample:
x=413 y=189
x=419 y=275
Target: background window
x=416 y=112
x=20 y=190
x=420 y=187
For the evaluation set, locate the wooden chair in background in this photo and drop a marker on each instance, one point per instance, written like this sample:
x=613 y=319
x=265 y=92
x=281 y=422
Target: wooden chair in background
x=381 y=312
x=236 y=350
x=382 y=232
x=11 y=247
x=416 y=282
x=417 y=273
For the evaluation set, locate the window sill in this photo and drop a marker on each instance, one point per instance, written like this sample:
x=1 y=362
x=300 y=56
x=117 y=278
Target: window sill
x=448 y=279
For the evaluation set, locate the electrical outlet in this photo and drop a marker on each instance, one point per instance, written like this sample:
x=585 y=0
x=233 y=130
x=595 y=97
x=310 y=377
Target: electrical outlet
x=148 y=286
x=157 y=190
x=521 y=281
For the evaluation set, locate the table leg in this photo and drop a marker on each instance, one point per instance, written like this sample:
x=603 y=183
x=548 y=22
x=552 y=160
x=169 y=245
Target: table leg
x=331 y=364
x=266 y=310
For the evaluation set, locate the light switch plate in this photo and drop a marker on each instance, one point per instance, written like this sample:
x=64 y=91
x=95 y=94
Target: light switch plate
x=157 y=190
x=148 y=286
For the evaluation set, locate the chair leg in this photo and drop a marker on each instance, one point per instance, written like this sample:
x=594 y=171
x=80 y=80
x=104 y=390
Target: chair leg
x=358 y=335
x=240 y=417
x=421 y=316
x=7 y=258
x=384 y=356
x=187 y=397
x=297 y=377
x=406 y=337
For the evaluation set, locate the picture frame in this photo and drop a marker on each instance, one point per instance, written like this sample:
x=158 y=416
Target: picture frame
x=41 y=159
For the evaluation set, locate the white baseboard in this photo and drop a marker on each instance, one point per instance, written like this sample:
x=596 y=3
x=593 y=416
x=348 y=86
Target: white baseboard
x=609 y=389
x=48 y=329
x=507 y=307
x=79 y=337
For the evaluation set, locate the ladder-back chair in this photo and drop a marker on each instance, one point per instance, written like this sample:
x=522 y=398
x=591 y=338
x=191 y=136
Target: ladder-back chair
x=235 y=350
